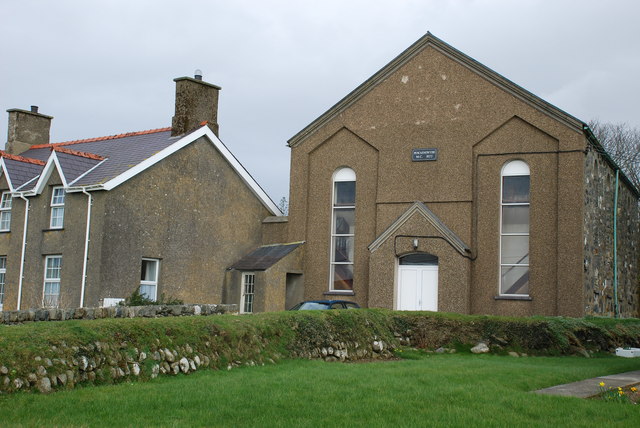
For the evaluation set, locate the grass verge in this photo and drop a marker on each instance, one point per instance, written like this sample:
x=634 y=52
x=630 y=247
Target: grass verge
x=427 y=390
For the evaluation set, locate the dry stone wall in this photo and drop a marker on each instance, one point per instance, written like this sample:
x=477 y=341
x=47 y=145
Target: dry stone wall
x=148 y=311
x=46 y=357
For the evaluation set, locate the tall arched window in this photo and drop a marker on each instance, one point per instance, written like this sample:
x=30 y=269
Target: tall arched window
x=514 y=229
x=343 y=229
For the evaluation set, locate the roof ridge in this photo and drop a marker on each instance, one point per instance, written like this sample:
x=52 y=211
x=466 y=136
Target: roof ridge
x=108 y=137
x=77 y=153
x=17 y=158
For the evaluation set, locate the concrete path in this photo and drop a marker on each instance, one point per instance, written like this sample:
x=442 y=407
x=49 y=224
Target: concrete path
x=591 y=387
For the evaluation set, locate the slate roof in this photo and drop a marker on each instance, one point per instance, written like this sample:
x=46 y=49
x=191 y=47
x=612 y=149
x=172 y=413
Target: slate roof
x=115 y=154
x=105 y=162
x=74 y=166
x=264 y=257
x=21 y=172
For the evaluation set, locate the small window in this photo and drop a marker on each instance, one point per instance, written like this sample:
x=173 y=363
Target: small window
x=5 y=212
x=149 y=278
x=248 y=290
x=51 y=292
x=57 y=208
x=3 y=271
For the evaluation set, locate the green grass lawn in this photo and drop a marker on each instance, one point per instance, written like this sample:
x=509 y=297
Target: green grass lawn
x=427 y=390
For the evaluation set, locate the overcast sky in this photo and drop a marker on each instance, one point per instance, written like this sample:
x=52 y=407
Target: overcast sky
x=107 y=67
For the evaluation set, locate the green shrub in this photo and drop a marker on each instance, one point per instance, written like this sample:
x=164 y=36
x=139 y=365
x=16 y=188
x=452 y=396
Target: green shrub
x=137 y=299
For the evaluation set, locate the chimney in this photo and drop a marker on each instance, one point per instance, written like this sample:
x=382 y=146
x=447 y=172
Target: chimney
x=196 y=101
x=26 y=128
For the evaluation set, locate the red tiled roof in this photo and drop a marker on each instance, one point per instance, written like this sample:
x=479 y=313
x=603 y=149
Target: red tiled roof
x=109 y=137
x=4 y=154
x=76 y=153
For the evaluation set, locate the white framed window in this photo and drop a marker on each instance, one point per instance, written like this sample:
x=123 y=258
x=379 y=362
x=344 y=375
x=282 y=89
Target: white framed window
x=343 y=218
x=51 y=289
x=514 y=229
x=3 y=271
x=149 y=278
x=5 y=212
x=248 y=291
x=57 y=208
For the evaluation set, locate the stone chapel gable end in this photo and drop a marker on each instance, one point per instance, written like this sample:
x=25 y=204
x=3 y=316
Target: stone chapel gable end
x=495 y=171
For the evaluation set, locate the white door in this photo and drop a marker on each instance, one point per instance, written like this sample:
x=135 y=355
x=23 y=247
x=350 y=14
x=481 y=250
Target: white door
x=418 y=287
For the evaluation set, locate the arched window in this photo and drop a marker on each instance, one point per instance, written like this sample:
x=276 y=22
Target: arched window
x=514 y=229
x=343 y=229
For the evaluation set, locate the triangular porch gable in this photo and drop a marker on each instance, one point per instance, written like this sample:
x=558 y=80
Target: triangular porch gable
x=419 y=208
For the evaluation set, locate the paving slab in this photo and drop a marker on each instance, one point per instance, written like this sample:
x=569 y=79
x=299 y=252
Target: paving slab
x=591 y=387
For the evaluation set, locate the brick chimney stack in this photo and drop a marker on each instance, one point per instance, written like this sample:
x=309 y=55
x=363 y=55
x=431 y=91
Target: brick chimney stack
x=196 y=101
x=26 y=128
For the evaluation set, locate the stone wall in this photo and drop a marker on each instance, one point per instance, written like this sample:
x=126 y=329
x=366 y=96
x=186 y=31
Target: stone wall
x=600 y=181
x=109 y=351
x=150 y=311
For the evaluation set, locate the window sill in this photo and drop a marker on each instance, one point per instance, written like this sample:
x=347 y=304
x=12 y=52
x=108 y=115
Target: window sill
x=525 y=298
x=5 y=231
x=339 y=293
x=53 y=229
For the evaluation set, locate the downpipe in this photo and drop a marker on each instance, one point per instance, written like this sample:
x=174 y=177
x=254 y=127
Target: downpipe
x=27 y=207
x=616 y=308
x=86 y=247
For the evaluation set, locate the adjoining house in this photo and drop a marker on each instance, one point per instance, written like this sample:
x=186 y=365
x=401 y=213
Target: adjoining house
x=165 y=211
x=438 y=184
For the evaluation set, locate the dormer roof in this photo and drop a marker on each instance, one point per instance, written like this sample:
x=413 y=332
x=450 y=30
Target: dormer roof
x=19 y=170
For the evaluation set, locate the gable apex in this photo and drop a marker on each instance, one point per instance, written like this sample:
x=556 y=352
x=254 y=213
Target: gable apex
x=3 y=171
x=203 y=131
x=52 y=163
x=418 y=208
x=429 y=40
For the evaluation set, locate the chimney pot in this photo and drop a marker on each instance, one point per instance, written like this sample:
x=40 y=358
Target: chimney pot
x=34 y=109
x=198 y=74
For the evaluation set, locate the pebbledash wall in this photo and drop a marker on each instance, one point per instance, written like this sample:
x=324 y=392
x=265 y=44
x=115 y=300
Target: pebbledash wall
x=599 y=288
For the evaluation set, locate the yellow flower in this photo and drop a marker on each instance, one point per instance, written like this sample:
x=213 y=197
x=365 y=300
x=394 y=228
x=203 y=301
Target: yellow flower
x=619 y=389
x=634 y=389
x=601 y=383
x=621 y=392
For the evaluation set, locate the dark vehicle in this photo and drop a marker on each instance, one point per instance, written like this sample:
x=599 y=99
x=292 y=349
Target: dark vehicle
x=325 y=304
